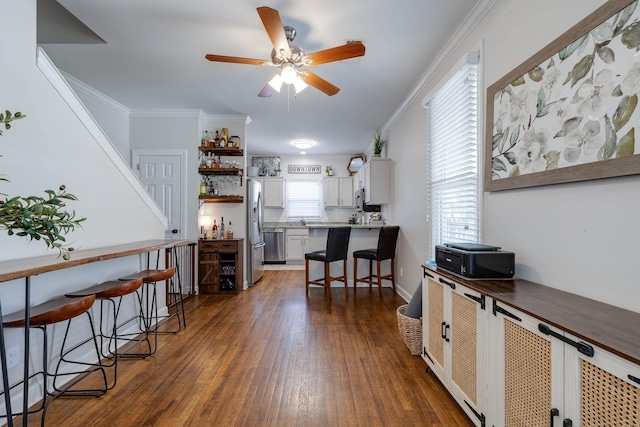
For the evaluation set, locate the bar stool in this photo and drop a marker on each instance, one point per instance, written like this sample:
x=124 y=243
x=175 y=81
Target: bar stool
x=386 y=250
x=148 y=317
x=107 y=293
x=336 y=250
x=51 y=312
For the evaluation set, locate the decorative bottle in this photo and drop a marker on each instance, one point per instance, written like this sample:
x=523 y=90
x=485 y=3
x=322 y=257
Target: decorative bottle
x=221 y=230
x=214 y=230
x=229 y=234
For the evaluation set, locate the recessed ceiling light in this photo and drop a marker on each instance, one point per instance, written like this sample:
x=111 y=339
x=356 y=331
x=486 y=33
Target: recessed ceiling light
x=303 y=144
x=303 y=152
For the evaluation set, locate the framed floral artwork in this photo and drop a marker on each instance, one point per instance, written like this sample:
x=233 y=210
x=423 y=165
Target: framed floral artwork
x=569 y=113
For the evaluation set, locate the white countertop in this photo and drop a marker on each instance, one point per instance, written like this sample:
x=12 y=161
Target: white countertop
x=298 y=224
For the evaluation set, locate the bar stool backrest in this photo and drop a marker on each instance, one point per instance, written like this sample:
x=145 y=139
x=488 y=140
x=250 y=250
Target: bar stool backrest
x=337 y=243
x=387 y=240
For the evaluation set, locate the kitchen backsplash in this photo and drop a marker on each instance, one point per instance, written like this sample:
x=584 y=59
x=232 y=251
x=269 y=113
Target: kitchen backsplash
x=329 y=215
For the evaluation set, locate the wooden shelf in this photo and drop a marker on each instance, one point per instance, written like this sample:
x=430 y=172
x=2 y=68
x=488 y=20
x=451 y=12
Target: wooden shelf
x=220 y=171
x=221 y=199
x=222 y=151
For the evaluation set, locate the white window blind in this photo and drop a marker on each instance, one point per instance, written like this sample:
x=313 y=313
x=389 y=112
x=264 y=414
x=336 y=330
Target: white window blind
x=453 y=159
x=304 y=199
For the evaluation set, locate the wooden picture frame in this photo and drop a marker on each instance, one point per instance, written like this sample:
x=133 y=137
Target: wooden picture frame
x=570 y=112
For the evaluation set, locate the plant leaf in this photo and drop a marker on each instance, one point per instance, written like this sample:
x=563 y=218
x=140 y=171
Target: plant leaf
x=515 y=171
x=536 y=74
x=568 y=51
x=498 y=165
x=511 y=157
x=606 y=54
x=609 y=147
x=581 y=69
x=624 y=16
x=568 y=126
x=625 y=109
x=627 y=144
x=631 y=36
x=519 y=81
x=552 y=158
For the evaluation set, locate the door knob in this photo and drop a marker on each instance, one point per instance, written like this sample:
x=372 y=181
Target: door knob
x=174 y=231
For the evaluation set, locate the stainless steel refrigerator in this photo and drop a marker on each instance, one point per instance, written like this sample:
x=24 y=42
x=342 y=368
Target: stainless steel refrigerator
x=255 y=241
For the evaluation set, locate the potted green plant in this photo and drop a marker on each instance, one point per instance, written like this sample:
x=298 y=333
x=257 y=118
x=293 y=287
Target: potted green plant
x=35 y=217
x=378 y=143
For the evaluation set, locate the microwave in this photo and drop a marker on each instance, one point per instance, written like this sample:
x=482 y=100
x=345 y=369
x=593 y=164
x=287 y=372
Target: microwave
x=360 y=206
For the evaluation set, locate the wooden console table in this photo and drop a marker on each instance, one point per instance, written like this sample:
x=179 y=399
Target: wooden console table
x=28 y=267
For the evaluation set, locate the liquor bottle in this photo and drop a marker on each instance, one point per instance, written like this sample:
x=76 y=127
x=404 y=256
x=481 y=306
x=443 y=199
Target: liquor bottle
x=229 y=234
x=216 y=140
x=203 y=187
x=214 y=230
x=221 y=230
x=207 y=140
x=203 y=140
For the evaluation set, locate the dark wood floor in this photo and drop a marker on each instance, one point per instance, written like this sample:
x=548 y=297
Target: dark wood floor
x=272 y=357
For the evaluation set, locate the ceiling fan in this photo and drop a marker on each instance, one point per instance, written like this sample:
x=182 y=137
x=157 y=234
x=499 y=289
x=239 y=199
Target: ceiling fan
x=290 y=58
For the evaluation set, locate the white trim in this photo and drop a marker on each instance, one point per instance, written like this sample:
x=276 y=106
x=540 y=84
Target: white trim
x=59 y=83
x=182 y=154
x=196 y=114
x=463 y=31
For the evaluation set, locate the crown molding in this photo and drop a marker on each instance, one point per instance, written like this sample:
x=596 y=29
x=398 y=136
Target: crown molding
x=468 y=25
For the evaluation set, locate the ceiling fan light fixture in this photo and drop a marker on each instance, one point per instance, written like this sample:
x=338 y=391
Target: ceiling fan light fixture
x=288 y=74
x=276 y=82
x=303 y=144
x=299 y=85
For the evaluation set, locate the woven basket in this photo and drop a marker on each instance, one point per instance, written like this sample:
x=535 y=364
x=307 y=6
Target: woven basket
x=411 y=331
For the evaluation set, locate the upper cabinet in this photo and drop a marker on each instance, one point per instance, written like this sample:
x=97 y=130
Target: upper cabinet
x=273 y=191
x=338 y=192
x=376 y=177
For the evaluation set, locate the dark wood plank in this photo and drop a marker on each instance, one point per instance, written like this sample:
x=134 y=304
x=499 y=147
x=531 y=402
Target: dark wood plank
x=21 y=268
x=612 y=328
x=272 y=357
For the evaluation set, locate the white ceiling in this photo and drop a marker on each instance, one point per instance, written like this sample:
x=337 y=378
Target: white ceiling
x=153 y=58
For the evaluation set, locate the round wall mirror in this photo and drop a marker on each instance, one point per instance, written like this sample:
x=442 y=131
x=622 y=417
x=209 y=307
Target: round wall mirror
x=355 y=164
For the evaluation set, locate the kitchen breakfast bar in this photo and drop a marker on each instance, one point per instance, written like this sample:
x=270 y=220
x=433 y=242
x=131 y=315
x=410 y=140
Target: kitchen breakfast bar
x=27 y=269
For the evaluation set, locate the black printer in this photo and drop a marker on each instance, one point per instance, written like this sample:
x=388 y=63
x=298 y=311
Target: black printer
x=476 y=260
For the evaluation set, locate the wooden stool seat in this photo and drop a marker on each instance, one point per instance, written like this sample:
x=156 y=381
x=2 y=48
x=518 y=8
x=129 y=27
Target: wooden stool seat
x=149 y=276
x=50 y=312
x=110 y=289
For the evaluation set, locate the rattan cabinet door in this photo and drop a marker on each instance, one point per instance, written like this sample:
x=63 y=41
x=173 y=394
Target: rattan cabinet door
x=454 y=320
x=529 y=377
x=433 y=301
x=601 y=390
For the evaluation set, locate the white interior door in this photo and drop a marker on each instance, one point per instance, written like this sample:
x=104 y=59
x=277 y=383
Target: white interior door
x=161 y=172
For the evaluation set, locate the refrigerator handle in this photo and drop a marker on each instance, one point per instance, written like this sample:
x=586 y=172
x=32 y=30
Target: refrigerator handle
x=259 y=245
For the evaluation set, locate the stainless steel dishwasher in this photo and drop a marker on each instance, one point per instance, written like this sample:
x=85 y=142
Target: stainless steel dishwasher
x=274 y=246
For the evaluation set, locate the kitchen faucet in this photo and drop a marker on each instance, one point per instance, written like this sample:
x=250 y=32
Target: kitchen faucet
x=303 y=222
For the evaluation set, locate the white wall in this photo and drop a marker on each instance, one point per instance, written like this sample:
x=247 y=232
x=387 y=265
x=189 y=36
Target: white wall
x=112 y=116
x=50 y=147
x=579 y=237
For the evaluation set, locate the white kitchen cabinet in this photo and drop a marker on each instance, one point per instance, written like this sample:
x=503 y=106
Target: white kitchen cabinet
x=455 y=335
x=377 y=177
x=273 y=191
x=297 y=243
x=338 y=192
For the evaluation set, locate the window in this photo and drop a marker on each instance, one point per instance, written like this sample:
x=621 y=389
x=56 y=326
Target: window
x=453 y=158
x=304 y=199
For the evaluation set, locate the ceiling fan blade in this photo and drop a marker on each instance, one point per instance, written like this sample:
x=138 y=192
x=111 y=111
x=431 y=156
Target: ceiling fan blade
x=266 y=91
x=237 y=60
x=349 y=50
x=319 y=83
x=273 y=24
